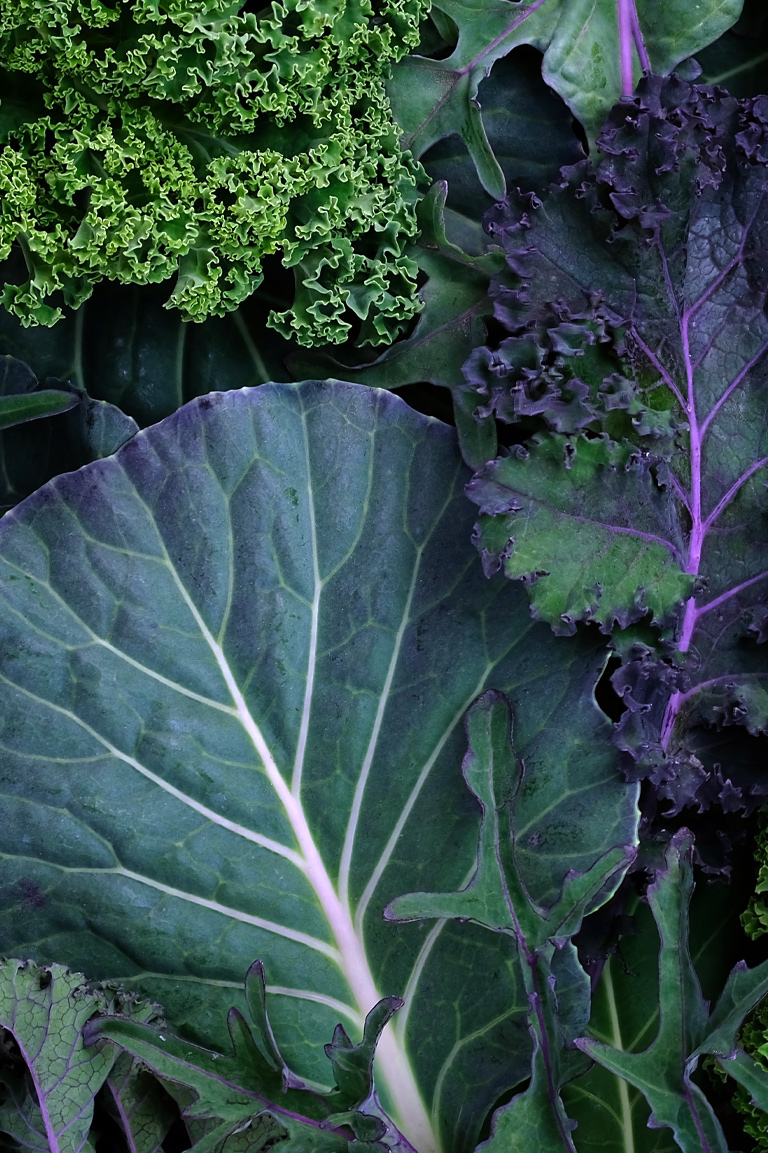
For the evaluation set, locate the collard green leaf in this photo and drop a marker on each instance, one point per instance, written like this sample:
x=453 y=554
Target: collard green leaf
x=434 y=98
x=237 y=642
x=655 y=253
x=686 y=1029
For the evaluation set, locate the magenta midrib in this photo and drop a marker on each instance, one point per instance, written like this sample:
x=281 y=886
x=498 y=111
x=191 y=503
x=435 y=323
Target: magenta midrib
x=701 y=524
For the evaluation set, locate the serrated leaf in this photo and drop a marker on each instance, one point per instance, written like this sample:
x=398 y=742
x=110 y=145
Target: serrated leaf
x=530 y=131
x=653 y=251
x=248 y=681
x=612 y=1115
x=586 y=526
x=45 y=1011
x=662 y=1071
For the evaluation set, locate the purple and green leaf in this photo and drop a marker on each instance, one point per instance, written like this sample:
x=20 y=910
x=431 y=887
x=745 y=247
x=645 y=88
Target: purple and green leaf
x=50 y=1088
x=656 y=506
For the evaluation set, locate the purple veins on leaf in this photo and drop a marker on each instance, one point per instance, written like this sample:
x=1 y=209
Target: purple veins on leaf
x=639 y=338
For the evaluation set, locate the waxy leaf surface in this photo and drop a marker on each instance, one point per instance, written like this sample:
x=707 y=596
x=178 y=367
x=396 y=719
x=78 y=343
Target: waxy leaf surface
x=685 y=1027
x=434 y=98
x=235 y=660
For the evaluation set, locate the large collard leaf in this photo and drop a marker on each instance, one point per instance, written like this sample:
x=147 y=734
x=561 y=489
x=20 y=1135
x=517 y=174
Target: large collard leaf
x=121 y=346
x=686 y=1029
x=643 y=492
x=586 y=49
x=235 y=660
x=498 y=898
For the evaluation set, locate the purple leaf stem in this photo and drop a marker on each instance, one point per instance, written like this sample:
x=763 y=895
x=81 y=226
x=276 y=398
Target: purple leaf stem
x=624 y=16
x=730 y=593
x=726 y=500
x=677 y=700
x=637 y=35
x=680 y=492
x=733 y=385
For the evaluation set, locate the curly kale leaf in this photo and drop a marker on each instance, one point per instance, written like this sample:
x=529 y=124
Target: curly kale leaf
x=192 y=139
x=635 y=302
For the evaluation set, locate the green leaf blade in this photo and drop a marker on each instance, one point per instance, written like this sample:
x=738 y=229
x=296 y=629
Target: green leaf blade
x=592 y=515
x=255 y=603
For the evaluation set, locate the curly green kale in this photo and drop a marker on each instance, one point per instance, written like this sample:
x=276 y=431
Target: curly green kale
x=146 y=139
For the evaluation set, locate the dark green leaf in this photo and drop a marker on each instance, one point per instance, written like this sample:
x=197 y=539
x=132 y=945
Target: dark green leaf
x=247 y=683
x=663 y=1070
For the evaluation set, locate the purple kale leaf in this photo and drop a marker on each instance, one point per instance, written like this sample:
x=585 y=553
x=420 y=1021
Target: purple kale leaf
x=637 y=352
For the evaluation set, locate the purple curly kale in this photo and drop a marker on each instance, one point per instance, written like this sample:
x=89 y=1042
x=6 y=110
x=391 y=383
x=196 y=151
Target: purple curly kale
x=635 y=302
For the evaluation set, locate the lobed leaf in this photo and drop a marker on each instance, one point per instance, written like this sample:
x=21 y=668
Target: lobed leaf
x=647 y=262
x=237 y=642
x=663 y=1071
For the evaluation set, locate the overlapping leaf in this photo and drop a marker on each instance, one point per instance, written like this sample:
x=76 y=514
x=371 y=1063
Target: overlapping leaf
x=497 y=897
x=123 y=347
x=49 y=1090
x=655 y=505
x=78 y=430
x=435 y=98
x=686 y=1028
x=254 y=1092
x=235 y=658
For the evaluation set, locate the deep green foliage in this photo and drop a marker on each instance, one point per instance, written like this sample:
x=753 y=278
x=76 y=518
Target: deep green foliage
x=237 y=646
x=190 y=140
